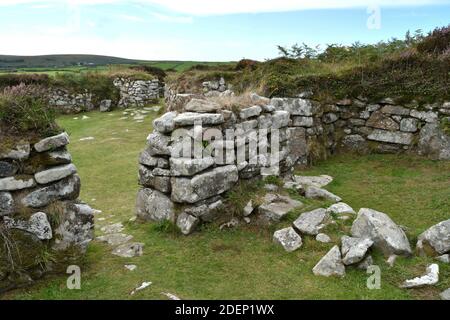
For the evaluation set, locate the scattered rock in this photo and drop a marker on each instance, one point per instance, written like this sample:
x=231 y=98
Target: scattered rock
x=130 y=267
x=51 y=143
x=391 y=260
x=330 y=265
x=430 y=278
x=248 y=209
x=187 y=223
x=170 y=296
x=321 y=194
x=275 y=207
x=436 y=239
x=141 y=287
x=340 y=208
x=386 y=235
x=366 y=263
x=288 y=239
x=445 y=295
x=230 y=224
x=129 y=250
x=445 y=258
x=311 y=222
x=354 y=249
x=322 y=237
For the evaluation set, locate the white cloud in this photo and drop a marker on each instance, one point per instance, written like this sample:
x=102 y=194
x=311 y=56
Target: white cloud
x=211 y=7
x=131 y=18
x=172 y=19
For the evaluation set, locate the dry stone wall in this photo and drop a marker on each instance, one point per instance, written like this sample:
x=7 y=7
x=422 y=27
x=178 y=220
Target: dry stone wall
x=197 y=154
x=43 y=227
x=132 y=93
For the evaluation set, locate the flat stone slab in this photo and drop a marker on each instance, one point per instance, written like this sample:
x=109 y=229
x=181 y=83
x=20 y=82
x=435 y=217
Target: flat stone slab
x=165 y=123
x=288 y=239
x=311 y=222
x=20 y=151
x=191 y=118
x=275 y=207
x=314 y=181
x=202 y=106
x=115 y=239
x=13 y=183
x=129 y=250
x=321 y=194
x=113 y=228
x=404 y=138
x=51 y=143
x=55 y=173
x=189 y=167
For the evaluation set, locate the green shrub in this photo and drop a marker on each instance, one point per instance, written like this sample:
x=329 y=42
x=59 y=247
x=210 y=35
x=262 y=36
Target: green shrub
x=25 y=108
x=437 y=42
x=12 y=79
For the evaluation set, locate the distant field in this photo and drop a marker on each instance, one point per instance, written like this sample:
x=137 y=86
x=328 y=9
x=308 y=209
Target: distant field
x=79 y=63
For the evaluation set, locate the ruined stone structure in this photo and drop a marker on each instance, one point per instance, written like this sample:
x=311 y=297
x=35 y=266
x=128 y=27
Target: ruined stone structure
x=132 y=93
x=186 y=188
x=43 y=227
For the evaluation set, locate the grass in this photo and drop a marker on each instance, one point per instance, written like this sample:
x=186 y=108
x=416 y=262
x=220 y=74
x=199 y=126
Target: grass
x=240 y=263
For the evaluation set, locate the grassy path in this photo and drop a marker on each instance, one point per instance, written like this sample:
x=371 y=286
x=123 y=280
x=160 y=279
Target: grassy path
x=241 y=263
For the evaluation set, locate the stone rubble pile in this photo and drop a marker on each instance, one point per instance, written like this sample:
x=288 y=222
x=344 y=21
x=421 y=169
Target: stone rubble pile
x=39 y=210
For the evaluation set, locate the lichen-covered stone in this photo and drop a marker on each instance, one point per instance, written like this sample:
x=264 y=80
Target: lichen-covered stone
x=191 y=118
x=16 y=183
x=202 y=106
x=158 y=144
x=330 y=265
x=165 y=123
x=66 y=189
x=37 y=225
x=55 y=173
x=354 y=249
x=404 y=138
x=7 y=169
x=189 y=167
x=6 y=204
x=51 y=143
x=20 y=151
x=276 y=206
x=321 y=194
x=152 y=205
x=187 y=223
x=311 y=222
x=288 y=239
x=148 y=179
x=436 y=238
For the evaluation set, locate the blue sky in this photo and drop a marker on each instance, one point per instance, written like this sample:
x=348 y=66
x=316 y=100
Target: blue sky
x=205 y=30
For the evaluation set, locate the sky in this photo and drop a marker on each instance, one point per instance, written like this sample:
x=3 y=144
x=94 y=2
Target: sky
x=205 y=30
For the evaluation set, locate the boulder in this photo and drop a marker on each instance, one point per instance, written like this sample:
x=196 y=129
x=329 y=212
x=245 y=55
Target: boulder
x=76 y=229
x=430 y=278
x=20 y=151
x=404 y=138
x=436 y=239
x=378 y=227
x=129 y=250
x=154 y=206
x=275 y=207
x=187 y=223
x=189 y=167
x=7 y=169
x=311 y=222
x=204 y=185
x=340 y=208
x=250 y=112
x=202 y=106
x=52 y=143
x=330 y=265
x=320 y=194
x=55 y=173
x=354 y=249
x=288 y=239
x=191 y=118
x=66 y=189
x=37 y=225
x=16 y=183
x=165 y=123
x=6 y=204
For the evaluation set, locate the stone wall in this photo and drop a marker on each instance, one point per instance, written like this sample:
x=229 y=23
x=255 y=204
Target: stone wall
x=187 y=167
x=132 y=93
x=43 y=227
x=138 y=92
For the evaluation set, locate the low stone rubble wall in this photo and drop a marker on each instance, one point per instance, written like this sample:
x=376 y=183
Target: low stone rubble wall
x=43 y=227
x=197 y=154
x=132 y=93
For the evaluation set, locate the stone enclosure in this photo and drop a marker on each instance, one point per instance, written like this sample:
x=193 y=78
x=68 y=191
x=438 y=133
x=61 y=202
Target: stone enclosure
x=186 y=168
x=43 y=227
x=132 y=93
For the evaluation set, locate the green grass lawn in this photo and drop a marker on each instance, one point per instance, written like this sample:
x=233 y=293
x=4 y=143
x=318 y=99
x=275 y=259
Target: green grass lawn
x=241 y=263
